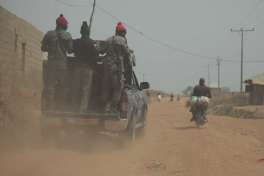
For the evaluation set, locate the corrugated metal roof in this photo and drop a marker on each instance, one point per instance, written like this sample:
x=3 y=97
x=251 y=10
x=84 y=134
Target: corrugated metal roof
x=255 y=82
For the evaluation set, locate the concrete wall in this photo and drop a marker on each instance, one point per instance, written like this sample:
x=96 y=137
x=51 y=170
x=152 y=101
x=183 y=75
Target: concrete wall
x=20 y=60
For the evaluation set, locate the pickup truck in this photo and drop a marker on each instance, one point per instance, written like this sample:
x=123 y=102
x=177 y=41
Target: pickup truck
x=133 y=105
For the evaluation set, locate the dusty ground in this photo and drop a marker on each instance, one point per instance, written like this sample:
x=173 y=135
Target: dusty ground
x=172 y=146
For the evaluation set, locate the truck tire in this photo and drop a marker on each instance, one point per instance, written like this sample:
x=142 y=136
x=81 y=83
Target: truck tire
x=141 y=131
x=49 y=134
x=131 y=130
x=45 y=130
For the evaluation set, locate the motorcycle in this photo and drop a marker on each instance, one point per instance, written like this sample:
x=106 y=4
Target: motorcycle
x=199 y=109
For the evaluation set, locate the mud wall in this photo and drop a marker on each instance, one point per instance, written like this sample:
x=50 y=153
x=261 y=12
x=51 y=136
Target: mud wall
x=21 y=64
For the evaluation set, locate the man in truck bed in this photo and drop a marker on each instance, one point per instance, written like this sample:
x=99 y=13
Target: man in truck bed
x=57 y=43
x=85 y=51
x=114 y=78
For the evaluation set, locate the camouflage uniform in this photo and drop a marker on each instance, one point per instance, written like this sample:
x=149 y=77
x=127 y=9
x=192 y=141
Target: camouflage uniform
x=57 y=43
x=113 y=81
x=130 y=62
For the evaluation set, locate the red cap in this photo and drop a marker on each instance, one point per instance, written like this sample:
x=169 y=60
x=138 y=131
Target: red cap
x=120 y=27
x=62 y=21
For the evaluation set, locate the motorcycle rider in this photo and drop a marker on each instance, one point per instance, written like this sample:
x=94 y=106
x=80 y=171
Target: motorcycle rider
x=200 y=90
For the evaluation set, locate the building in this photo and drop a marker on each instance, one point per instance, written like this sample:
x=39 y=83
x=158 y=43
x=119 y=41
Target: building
x=20 y=68
x=215 y=91
x=255 y=89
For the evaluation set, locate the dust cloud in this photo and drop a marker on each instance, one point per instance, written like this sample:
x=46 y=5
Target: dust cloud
x=171 y=146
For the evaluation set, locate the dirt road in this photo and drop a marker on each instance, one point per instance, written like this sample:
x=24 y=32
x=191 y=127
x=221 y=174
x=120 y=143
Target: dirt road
x=172 y=146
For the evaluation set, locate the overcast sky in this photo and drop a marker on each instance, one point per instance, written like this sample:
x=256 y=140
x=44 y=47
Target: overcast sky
x=200 y=27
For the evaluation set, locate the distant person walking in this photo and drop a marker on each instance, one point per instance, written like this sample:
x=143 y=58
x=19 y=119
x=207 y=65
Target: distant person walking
x=178 y=98
x=149 y=96
x=171 y=97
x=159 y=97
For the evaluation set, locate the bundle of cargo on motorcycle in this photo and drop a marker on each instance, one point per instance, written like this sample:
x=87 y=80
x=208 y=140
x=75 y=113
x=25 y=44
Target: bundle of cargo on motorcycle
x=199 y=106
x=79 y=97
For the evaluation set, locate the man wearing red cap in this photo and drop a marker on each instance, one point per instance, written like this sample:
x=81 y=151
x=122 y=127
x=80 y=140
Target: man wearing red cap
x=57 y=43
x=114 y=68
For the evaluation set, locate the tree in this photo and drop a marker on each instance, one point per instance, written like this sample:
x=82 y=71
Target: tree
x=187 y=91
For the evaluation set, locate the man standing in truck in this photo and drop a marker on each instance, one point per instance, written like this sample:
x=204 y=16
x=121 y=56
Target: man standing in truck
x=84 y=49
x=57 y=43
x=114 y=68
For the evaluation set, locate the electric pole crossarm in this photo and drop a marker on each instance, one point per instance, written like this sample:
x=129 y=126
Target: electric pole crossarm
x=243 y=30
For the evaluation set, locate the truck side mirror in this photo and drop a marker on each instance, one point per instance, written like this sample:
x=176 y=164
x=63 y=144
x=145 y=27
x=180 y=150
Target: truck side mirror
x=144 y=85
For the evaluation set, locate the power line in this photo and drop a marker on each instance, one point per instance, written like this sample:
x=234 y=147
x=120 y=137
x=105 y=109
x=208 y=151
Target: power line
x=252 y=11
x=248 y=61
x=70 y=4
x=153 y=39
x=147 y=37
x=166 y=45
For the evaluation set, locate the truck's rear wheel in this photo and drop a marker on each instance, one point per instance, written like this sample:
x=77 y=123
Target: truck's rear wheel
x=141 y=131
x=132 y=130
x=49 y=133
x=136 y=128
x=129 y=135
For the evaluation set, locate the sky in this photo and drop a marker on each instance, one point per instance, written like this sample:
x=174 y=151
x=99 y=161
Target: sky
x=175 y=41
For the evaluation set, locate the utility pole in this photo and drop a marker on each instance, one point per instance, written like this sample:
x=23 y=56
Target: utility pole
x=218 y=60
x=242 y=31
x=209 y=76
x=91 y=17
